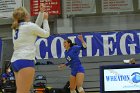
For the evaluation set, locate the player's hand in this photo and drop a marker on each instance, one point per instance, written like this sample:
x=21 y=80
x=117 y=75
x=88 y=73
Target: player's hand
x=46 y=15
x=62 y=66
x=80 y=37
x=42 y=8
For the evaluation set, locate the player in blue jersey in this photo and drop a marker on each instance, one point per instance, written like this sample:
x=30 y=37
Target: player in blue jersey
x=6 y=76
x=77 y=70
x=24 y=37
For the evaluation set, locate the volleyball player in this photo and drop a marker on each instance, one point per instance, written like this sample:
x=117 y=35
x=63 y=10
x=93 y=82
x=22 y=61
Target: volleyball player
x=24 y=37
x=77 y=70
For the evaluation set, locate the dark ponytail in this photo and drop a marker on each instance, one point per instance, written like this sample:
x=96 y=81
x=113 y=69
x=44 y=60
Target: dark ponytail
x=70 y=42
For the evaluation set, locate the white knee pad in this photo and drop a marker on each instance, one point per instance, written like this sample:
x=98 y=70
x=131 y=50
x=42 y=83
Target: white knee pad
x=80 y=89
x=73 y=91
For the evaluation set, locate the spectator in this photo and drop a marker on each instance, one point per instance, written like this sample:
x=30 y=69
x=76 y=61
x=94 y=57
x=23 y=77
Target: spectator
x=6 y=76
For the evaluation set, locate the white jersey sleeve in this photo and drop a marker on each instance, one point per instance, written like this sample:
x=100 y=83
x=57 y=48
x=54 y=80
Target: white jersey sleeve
x=45 y=32
x=24 y=40
x=40 y=19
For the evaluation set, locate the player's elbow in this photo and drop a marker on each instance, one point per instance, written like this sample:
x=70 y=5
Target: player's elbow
x=47 y=34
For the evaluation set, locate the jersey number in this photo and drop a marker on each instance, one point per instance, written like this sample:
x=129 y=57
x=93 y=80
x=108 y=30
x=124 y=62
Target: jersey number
x=16 y=34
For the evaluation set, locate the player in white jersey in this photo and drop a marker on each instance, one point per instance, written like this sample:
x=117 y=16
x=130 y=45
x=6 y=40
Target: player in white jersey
x=24 y=37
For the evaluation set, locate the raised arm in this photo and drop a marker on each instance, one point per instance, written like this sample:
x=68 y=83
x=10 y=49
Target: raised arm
x=40 y=16
x=80 y=37
x=45 y=22
x=40 y=19
x=45 y=32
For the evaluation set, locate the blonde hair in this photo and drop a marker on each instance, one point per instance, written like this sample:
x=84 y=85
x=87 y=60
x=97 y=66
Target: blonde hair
x=18 y=15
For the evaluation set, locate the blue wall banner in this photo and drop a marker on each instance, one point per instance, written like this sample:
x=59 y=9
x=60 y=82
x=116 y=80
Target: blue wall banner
x=98 y=44
x=0 y=49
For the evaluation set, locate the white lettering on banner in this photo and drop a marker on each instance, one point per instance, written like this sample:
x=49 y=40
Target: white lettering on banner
x=109 y=45
x=132 y=48
x=123 y=44
x=54 y=47
x=97 y=53
x=139 y=37
x=89 y=44
x=38 y=56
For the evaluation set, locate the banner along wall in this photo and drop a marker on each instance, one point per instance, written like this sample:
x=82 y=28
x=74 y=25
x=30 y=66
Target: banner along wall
x=117 y=5
x=7 y=7
x=73 y=7
x=0 y=52
x=98 y=44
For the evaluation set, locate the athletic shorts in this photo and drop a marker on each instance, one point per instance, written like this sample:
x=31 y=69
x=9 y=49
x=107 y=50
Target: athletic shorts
x=79 y=69
x=20 y=64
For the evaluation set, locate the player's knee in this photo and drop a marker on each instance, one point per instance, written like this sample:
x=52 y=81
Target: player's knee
x=80 y=89
x=73 y=91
